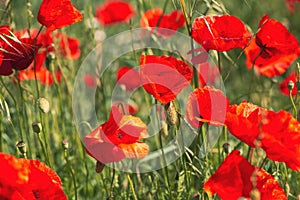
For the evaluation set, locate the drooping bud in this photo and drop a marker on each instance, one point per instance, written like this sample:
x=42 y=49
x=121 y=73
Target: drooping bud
x=99 y=167
x=226 y=148
x=164 y=128
x=22 y=148
x=37 y=127
x=44 y=105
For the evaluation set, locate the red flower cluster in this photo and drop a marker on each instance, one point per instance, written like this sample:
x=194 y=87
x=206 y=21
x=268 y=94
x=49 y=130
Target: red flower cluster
x=28 y=179
x=16 y=53
x=56 y=14
x=155 y=18
x=284 y=85
x=206 y=104
x=117 y=138
x=65 y=46
x=164 y=77
x=112 y=12
x=276 y=133
x=232 y=180
x=221 y=33
x=273 y=49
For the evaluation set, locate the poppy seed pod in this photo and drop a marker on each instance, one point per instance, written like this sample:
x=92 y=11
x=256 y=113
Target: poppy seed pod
x=37 y=127
x=44 y=105
x=22 y=147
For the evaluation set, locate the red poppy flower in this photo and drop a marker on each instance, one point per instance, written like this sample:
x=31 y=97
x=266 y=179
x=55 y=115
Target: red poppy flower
x=273 y=49
x=68 y=47
x=221 y=33
x=28 y=179
x=56 y=14
x=90 y=80
x=17 y=53
x=232 y=180
x=129 y=78
x=206 y=104
x=164 y=76
x=42 y=74
x=164 y=23
x=284 y=85
x=291 y=4
x=242 y=121
x=112 y=12
x=277 y=133
x=117 y=138
x=281 y=138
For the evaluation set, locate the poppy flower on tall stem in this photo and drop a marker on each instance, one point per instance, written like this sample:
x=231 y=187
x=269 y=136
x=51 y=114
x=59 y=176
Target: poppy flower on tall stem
x=28 y=179
x=221 y=33
x=16 y=53
x=273 y=49
x=164 y=77
x=165 y=24
x=113 y=12
x=56 y=14
x=234 y=180
x=118 y=138
x=206 y=104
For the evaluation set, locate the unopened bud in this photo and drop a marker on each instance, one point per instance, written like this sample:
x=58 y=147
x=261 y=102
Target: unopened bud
x=226 y=148
x=172 y=115
x=44 y=105
x=65 y=144
x=22 y=147
x=37 y=127
x=287 y=188
x=291 y=85
x=99 y=167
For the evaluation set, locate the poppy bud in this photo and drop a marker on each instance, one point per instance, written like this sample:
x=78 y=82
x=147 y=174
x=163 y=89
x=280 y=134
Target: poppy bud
x=99 y=167
x=291 y=85
x=22 y=148
x=65 y=144
x=50 y=57
x=226 y=148
x=44 y=105
x=37 y=127
x=287 y=188
x=172 y=115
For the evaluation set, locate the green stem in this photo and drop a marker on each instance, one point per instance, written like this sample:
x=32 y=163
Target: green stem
x=293 y=104
x=131 y=186
x=44 y=150
x=16 y=106
x=112 y=183
x=66 y=155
